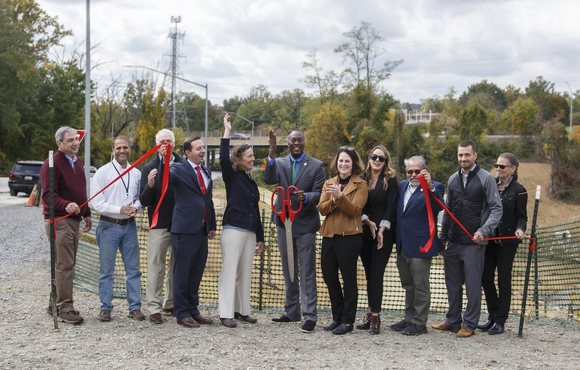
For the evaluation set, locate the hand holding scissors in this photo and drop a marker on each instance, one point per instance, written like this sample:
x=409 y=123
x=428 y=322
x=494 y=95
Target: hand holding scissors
x=287 y=207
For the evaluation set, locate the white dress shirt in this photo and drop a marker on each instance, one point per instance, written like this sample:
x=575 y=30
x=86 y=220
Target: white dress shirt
x=409 y=191
x=124 y=191
x=206 y=179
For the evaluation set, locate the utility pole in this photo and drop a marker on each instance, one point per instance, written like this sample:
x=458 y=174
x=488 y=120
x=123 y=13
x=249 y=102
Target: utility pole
x=88 y=101
x=174 y=35
x=571 y=105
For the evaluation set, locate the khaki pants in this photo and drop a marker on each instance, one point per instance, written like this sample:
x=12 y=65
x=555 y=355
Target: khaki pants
x=414 y=274
x=158 y=243
x=66 y=245
x=236 y=276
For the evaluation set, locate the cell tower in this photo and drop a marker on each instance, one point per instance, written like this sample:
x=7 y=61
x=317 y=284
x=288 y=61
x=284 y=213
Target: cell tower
x=178 y=114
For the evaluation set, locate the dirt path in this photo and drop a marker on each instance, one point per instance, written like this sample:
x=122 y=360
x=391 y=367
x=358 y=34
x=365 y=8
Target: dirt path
x=29 y=341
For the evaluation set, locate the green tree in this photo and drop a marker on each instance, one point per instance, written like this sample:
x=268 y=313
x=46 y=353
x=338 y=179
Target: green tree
x=27 y=34
x=520 y=118
x=550 y=103
x=195 y=108
x=256 y=108
x=496 y=94
x=286 y=108
x=232 y=104
x=472 y=122
x=152 y=120
x=432 y=104
x=513 y=94
x=327 y=132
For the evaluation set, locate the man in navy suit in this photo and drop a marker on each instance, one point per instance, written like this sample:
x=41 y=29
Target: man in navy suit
x=412 y=234
x=192 y=224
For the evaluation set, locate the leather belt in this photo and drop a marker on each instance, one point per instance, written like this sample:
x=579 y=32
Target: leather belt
x=121 y=222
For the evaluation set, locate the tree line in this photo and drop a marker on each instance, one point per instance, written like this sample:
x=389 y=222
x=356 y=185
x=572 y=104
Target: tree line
x=41 y=91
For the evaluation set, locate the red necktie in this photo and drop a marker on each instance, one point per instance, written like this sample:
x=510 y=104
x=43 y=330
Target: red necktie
x=201 y=182
x=201 y=185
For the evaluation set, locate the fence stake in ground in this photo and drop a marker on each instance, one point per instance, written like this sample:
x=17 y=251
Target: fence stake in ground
x=529 y=264
x=260 y=291
x=51 y=227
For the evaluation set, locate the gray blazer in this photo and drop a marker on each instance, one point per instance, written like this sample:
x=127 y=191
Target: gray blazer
x=309 y=178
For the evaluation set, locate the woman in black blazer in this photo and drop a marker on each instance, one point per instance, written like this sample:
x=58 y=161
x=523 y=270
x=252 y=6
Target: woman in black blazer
x=501 y=253
x=378 y=218
x=242 y=228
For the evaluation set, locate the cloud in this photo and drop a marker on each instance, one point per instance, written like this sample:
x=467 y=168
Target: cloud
x=236 y=45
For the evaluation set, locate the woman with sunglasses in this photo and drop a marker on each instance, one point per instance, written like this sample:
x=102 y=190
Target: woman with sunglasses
x=342 y=200
x=500 y=253
x=378 y=215
x=242 y=227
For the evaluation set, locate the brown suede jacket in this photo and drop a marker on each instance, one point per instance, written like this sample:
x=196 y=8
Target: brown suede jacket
x=343 y=217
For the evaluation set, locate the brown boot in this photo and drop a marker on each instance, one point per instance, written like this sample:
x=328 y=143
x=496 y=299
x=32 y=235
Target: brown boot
x=375 y=325
x=464 y=333
x=71 y=317
x=366 y=323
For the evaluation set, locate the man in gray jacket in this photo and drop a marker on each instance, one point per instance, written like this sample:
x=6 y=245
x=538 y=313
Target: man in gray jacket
x=472 y=197
x=307 y=174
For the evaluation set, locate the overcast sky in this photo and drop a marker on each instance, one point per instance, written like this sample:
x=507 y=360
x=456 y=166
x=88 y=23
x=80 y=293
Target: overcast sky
x=234 y=45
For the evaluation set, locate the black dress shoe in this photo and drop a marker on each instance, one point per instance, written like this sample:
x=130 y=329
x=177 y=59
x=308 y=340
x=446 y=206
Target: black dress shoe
x=414 y=329
x=400 y=325
x=246 y=318
x=486 y=325
x=342 y=329
x=496 y=329
x=308 y=326
x=333 y=325
x=284 y=318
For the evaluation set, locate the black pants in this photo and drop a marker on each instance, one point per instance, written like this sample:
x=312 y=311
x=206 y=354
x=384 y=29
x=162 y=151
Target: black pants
x=190 y=253
x=502 y=257
x=341 y=252
x=375 y=261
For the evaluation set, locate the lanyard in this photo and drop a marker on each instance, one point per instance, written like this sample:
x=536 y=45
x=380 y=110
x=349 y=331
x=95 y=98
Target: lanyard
x=128 y=179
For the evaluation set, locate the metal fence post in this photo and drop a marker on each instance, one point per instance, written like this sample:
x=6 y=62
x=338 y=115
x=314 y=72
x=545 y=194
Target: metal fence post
x=527 y=278
x=52 y=228
x=260 y=290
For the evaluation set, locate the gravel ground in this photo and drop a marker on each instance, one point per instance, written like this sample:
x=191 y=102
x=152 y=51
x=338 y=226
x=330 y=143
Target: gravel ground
x=29 y=340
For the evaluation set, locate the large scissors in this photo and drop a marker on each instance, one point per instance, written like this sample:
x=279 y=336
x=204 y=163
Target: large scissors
x=287 y=205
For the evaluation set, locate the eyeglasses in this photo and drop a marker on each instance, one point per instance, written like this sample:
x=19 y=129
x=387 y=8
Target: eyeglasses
x=503 y=166
x=347 y=148
x=244 y=146
x=416 y=172
x=381 y=158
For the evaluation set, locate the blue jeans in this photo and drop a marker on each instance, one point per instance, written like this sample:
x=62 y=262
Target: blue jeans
x=110 y=238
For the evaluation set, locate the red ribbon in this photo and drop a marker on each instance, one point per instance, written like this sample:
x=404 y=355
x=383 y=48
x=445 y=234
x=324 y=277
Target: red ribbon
x=163 y=186
x=432 y=228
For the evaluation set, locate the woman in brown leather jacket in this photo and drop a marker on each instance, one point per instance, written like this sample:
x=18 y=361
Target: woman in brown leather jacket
x=342 y=200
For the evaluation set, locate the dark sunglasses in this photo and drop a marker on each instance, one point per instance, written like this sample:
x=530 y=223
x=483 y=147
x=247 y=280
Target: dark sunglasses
x=503 y=166
x=244 y=146
x=347 y=148
x=416 y=172
x=381 y=158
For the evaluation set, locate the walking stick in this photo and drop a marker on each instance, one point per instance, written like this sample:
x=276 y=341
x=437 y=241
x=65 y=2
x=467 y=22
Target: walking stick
x=530 y=252
x=52 y=230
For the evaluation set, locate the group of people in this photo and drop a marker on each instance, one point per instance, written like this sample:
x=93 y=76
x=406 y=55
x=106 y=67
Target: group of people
x=365 y=212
